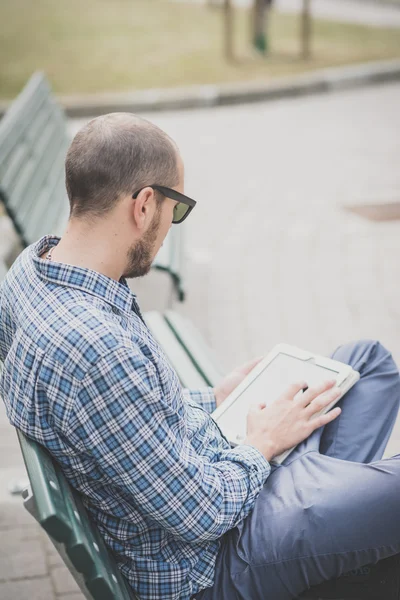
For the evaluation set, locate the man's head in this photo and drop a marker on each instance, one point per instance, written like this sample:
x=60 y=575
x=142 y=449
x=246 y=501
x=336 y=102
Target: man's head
x=110 y=159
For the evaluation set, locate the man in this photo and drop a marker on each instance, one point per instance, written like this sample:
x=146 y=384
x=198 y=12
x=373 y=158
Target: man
x=184 y=514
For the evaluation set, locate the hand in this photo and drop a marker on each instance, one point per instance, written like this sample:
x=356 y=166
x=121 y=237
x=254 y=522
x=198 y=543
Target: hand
x=231 y=381
x=287 y=422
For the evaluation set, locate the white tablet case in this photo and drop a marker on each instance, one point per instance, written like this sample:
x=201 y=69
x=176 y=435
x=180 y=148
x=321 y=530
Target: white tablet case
x=231 y=415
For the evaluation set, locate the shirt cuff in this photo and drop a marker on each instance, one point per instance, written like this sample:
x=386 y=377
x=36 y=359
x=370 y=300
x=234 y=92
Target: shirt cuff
x=256 y=469
x=204 y=397
x=251 y=456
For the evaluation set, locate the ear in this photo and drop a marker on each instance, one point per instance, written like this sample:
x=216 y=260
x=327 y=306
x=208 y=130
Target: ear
x=143 y=207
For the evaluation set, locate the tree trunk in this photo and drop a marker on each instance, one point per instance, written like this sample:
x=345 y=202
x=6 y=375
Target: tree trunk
x=228 y=26
x=259 y=32
x=306 y=30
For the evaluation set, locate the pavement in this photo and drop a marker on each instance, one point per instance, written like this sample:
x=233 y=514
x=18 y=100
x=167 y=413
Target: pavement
x=272 y=255
x=374 y=14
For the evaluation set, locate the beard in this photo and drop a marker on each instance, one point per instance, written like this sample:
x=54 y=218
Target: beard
x=141 y=255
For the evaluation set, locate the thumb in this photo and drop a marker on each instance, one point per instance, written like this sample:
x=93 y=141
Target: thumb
x=249 y=366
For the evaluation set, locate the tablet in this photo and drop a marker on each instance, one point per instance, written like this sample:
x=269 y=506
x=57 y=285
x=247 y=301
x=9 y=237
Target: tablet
x=283 y=366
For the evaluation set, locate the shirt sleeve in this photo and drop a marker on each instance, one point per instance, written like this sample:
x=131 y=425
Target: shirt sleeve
x=204 y=397
x=139 y=444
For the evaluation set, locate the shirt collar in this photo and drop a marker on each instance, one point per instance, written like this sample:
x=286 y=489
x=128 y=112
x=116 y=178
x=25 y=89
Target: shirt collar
x=109 y=290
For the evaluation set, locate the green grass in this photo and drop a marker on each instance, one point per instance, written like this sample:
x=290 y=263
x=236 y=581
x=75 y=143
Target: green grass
x=116 y=45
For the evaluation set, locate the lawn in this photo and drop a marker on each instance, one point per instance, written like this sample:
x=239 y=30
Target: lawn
x=118 y=45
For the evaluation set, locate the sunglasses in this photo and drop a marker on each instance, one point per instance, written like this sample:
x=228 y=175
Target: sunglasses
x=182 y=209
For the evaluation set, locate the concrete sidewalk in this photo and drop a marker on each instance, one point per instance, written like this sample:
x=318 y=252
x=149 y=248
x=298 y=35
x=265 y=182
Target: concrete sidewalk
x=272 y=256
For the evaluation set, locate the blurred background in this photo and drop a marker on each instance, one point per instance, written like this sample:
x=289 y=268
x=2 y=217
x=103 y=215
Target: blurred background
x=296 y=234
x=116 y=45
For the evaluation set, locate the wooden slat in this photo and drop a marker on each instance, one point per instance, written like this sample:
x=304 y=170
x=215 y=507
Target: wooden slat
x=23 y=154
x=87 y=552
x=16 y=163
x=36 y=202
x=21 y=113
x=51 y=202
x=195 y=346
x=20 y=197
x=35 y=124
x=45 y=155
x=50 y=506
x=59 y=510
x=177 y=356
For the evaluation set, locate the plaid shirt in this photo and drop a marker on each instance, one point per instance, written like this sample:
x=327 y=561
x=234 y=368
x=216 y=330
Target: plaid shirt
x=84 y=377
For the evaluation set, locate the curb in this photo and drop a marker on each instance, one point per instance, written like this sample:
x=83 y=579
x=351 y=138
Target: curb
x=210 y=96
x=383 y=3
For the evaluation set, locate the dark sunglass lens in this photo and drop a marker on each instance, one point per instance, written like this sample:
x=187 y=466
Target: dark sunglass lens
x=180 y=211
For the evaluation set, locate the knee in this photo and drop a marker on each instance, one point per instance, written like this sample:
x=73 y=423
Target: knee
x=361 y=354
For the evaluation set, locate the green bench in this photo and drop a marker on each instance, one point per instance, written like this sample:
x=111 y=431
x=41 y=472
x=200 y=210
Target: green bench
x=33 y=143
x=59 y=510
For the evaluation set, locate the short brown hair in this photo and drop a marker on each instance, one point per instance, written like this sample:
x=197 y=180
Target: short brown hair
x=115 y=155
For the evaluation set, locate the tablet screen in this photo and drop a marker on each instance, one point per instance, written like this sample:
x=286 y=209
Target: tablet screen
x=268 y=386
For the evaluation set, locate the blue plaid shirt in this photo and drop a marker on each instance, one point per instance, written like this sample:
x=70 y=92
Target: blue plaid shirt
x=84 y=377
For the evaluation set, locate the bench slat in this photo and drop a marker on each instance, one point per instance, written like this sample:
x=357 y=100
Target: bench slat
x=170 y=258
x=187 y=373
x=87 y=552
x=78 y=542
x=195 y=346
x=17 y=160
x=50 y=152
x=32 y=167
x=21 y=114
x=22 y=190
x=48 y=203
x=51 y=512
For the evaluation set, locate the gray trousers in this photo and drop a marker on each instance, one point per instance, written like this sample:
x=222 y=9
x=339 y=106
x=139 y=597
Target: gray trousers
x=333 y=506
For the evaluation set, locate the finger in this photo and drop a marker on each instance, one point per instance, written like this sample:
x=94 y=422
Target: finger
x=325 y=419
x=262 y=405
x=322 y=401
x=294 y=389
x=315 y=391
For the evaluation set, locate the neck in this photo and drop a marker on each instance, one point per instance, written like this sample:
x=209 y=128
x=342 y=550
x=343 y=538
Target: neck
x=97 y=246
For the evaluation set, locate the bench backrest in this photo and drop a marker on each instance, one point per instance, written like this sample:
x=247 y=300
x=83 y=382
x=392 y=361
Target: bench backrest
x=203 y=358
x=59 y=510
x=185 y=349
x=33 y=145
